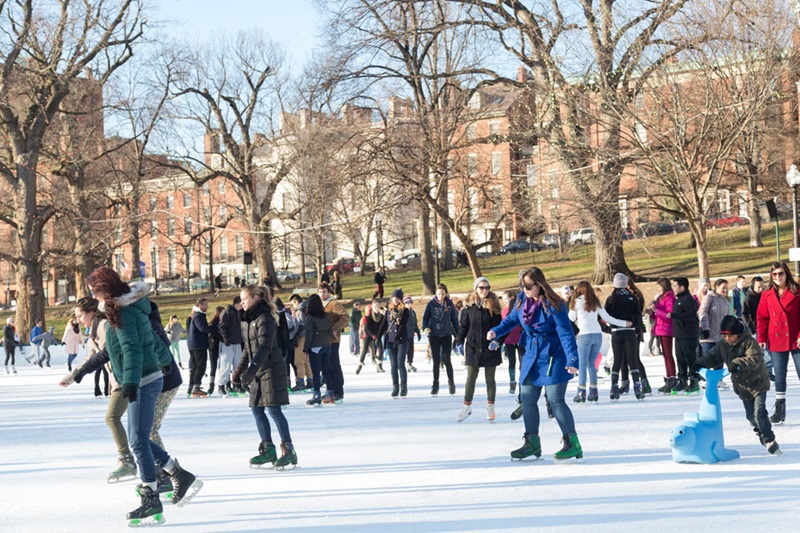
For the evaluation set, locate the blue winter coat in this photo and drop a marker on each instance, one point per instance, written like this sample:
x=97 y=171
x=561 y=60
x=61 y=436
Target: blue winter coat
x=197 y=339
x=549 y=344
x=441 y=319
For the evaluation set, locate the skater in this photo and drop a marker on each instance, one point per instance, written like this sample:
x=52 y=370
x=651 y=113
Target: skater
x=263 y=370
x=36 y=331
x=47 y=340
x=374 y=328
x=317 y=348
x=481 y=313
x=214 y=339
x=380 y=279
x=230 y=349
x=10 y=343
x=661 y=309
x=87 y=313
x=778 y=326
x=740 y=352
x=413 y=329
x=355 y=321
x=551 y=359
x=339 y=319
x=197 y=343
x=512 y=343
x=440 y=324
x=217 y=284
x=397 y=342
x=137 y=357
x=711 y=312
x=302 y=367
x=585 y=310
x=622 y=304
x=685 y=328
x=175 y=329
x=73 y=340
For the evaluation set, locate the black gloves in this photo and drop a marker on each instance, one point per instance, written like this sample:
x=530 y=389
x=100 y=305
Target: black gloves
x=237 y=377
x=249 y=374
x=129 y=392
x=735 y=368
x=706 y=334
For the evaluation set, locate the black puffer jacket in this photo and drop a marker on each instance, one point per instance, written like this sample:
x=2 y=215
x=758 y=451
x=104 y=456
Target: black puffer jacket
x=260 y=334
x=745 y=356
x=475 y=324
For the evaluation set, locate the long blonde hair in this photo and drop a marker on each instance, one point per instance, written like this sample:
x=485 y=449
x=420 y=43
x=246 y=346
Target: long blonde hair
x=265 y=294
x=490 y=303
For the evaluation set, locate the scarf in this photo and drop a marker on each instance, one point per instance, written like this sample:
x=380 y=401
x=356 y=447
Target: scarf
x=529 y=309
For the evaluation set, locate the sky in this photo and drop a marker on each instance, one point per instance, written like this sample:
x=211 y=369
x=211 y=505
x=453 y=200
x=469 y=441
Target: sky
x=293 y=23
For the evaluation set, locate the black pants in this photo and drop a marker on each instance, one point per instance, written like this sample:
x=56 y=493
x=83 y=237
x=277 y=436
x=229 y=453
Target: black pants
x=101 y=371
x=336 y=372
x=440 y=351
x=511 y=353
x=410 y=350
x=625 y=344
x=373 y=345
x=198 y=359
x=213 y=361
x=10 y=349
x=755 y=409
x=685 y=354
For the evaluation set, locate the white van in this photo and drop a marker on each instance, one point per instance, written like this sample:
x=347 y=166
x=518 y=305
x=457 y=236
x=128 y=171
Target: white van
x=582 y=236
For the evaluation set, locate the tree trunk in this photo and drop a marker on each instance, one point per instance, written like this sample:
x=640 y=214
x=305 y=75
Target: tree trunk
x=755 y=215
x=609 y=254
x=472 y=256
x=136 y=252
x=426 y=250
x=702 y=253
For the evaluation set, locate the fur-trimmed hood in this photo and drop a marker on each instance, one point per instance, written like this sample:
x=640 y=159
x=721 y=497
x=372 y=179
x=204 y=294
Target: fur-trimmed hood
x=139 y=290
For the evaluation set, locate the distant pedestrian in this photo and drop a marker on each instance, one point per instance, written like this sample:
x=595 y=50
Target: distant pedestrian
x=380 y=279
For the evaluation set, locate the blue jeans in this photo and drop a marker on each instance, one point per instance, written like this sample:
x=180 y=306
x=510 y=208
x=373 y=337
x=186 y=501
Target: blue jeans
x=320 y=366
x=397 y=357
x=355 y=344
x=781 y=362
x=529 y=397
x=140 y=421
x=588 y=348
x=262 y=422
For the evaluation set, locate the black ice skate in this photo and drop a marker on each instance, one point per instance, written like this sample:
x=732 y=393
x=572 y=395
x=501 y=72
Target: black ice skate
x=149 y=512
x=186 y=485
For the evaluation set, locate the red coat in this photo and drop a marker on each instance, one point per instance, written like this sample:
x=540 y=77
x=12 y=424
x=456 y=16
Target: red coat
x=778 y=322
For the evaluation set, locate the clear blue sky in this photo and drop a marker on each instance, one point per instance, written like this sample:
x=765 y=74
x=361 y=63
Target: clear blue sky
x=292 y=23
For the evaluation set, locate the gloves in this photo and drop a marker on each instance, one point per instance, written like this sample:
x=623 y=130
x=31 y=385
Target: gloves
x=129 y=392
x=237 y=377
x=706 y=334
x=249 y=374
x=165 y=369
x=735 y=368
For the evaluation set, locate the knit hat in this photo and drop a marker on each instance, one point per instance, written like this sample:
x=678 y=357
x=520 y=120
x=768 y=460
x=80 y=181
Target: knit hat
x=620 y=280
x=730 y=325
x=398 y=293
x=478 y=282
x=408 y=300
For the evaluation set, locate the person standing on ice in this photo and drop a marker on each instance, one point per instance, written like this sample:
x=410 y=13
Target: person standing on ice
x=440 y=324
x=397 y=342
x=481 y=312
x=137 y=357
x=263 y=370
x=73 y=340
x=551 y=360
x=10 y=343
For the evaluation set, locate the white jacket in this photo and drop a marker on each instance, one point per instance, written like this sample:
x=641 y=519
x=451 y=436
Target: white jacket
x=587 y=320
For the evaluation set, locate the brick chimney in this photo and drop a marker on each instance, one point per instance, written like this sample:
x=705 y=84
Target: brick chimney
x=522 y=74
x=210 y=146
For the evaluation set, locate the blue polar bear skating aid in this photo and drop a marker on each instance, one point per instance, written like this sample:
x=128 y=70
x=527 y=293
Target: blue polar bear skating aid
x=699 y=439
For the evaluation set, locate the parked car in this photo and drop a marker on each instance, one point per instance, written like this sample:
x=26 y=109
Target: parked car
x=199 y=285
x=551 y=240
x=681 y=227
x=727 y=222
x=582 y=236
x=342 y=265
x=649 y=229
x=412 y=260
x=285 y=275
x=514 y=247
x=163 y=288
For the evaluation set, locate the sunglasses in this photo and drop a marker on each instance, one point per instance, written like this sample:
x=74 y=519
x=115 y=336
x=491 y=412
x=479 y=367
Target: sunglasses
x=528 y=286
x=778 y=273
x=483 y=287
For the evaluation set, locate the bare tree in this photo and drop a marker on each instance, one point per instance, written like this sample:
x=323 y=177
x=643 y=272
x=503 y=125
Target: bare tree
x=47 y=46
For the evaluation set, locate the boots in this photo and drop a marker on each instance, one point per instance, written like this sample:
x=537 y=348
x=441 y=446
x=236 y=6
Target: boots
x=646 y=388
x=465 y=412
x=380 y=368
x=637 y=390
x=779 y=416
x=624 y=386
x=571 y=448
x=125 y=470
x=150 y=507
x=614 y=395
x=266 y=454
x=669 y=383
x=185 y=483
x=532 y=446
x=680 y=385
x=435 y=389
x=593 y=395
x=288 y=456
x=490 y=414
x=581 y=396
x=358 y=368
x=403 y=390
x=395 y=390
x=451 y=385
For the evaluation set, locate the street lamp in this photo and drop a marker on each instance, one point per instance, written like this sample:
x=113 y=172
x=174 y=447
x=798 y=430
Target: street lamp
x=793 y=179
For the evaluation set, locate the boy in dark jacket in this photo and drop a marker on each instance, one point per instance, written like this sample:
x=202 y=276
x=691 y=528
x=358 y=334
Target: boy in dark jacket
x=686 y=327
x=742 y=355
x=355 y=322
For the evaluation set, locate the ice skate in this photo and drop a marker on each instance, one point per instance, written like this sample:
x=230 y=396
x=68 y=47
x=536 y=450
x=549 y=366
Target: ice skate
x=512 y=387
x=315 y=401
x=300 y=387
x=126 y=470
x=403 y=390
x=773 y=448
x=571 y=449
x=149 y=512
x=593 y=395
x=668 y=384
x=288 y=456
x=490 y=414
x=532 y=446
x=435 y=389
x=465 y=412
x=638 y=391
x=358 y=368
x=581 y=396
x=517 y=412
x=395 y=391
x=186 y=485
x=411 y=368
x=329 y=399
x=451 y=386
x=614 y=394
x=646 y=388
x=779 y=416
x=624 y=386
x=266 y=456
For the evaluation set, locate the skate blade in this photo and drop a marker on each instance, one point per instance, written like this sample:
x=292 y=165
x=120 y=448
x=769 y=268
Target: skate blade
x=529 y=459
x=155 y=520
x=193 y=490
x=265 y=466
x=121 y=479
x=777 y=453
x=282 y=468
x=568 y=460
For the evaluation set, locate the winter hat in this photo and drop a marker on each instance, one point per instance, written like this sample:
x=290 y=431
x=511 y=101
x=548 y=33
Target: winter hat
x=478 y=282
x=398 y=293
x=620 y=280
x=731 y=326
x=703 y=281
x=408 y=300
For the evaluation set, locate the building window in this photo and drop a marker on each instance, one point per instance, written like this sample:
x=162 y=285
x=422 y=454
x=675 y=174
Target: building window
x=530 y=172
x=171 y=227
x=475 y=101
x=494 y=128
x=153 y=229
x=497 y=163
x=239 y=247
x=187 y=226
x=207 y=215
x=170 y=202
x=623 y=213
x=641 y=132
x=472 y=165
x=223 y=211
x=223 y=248
x=152 y=203
x=497 y=203
x=554 y=193
x=221 y=187
x=471 y=132
x=172 y=262
x=187 y=199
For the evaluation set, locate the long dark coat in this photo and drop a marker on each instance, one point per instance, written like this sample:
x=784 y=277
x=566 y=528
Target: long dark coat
x=475 y=324
x=260 y=335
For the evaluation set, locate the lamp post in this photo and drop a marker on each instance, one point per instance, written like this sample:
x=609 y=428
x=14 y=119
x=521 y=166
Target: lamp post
x=793 y=179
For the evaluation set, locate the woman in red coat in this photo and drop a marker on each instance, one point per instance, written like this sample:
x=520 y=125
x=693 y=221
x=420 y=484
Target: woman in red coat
x=778 y=329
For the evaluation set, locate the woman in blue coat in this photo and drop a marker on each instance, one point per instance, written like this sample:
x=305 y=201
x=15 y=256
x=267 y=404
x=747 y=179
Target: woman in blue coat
x=550 y=361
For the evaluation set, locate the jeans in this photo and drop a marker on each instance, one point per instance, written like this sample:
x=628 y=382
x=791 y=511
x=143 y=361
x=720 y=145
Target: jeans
x=529 y=397
x=441 y=348
x=321 y=366
x=705 y=347
x=355 y=344
x=262 y=422
x=756 y=411
x=397 y=357
x=70 y=358
x=781 y=362
x=588 y=348
x=140 y=421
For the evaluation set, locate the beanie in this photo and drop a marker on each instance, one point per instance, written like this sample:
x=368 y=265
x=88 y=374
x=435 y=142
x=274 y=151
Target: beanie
x=731 y=326
x=408 y=300
x=620 y=280
x=478 y=282
x=398 y=293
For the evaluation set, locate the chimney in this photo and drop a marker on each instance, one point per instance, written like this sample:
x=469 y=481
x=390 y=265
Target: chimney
x=88 y=73
x=210 y=146
x=522 y=74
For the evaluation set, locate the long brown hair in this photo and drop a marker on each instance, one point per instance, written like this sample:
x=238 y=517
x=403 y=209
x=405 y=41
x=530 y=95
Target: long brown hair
x=590 y=300
x=104 y=280
x=547 y=294
x=490 y=303
x=791 y=284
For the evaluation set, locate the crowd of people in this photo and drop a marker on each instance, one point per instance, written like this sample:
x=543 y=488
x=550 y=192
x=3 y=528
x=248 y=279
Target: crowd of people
x=254 y=345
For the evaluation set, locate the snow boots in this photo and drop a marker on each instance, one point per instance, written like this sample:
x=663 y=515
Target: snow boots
x=531 y=446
